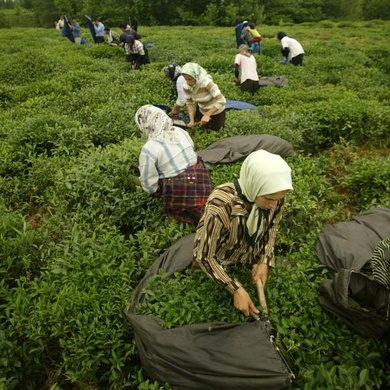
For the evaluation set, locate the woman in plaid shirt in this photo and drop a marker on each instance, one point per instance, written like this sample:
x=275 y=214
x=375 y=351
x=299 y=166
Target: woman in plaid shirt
x=240 y=222
x=170 y=166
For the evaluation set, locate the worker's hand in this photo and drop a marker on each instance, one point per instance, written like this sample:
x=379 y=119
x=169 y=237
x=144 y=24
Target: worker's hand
x=191 y=123
x=205 y=119
x=157 y=193
x=260 y=271
x=134 y=180
x=243 y=302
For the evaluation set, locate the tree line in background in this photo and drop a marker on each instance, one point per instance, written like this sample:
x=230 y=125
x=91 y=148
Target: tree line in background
x=203 y=12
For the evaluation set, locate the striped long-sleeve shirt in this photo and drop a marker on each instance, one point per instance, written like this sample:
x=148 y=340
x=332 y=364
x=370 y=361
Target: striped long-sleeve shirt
x=206 y=95
x=221 y=240
x=158 y=160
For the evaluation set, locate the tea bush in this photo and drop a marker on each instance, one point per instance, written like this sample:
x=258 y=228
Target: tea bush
x=63 y=315
x=367 y=181
x=350 y=119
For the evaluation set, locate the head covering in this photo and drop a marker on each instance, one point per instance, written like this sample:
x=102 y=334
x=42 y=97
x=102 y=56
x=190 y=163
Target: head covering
x=196 y=72
x=244 y=50
x=156 y=124
x=262 y=173
x=172 y=71
x=281 y=35
x=127 y=37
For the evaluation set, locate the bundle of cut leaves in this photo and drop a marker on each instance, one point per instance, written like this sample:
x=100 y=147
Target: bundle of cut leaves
x=191 y=297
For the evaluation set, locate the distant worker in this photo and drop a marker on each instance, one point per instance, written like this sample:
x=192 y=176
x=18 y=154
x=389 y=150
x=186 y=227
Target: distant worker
x=291 y=48
x=255 y=43
x=60 y=23
x=127 y=31
x=99 y=30
x=138 y=54
x=248 y=38
x=245 y=63
x=126 y=28
x=238 y=30
x=112 y=37
x=76 y=31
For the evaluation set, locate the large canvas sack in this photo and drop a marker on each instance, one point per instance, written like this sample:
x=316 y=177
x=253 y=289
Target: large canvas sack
x=209 y=356
x=347 y=247
x=350 y=244
x=361 y=302
x=232 y=149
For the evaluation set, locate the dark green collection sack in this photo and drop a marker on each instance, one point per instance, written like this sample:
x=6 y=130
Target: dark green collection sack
x=359 y=252
x=359 y=301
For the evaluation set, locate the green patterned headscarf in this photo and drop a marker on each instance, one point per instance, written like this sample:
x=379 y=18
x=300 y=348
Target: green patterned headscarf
x=196 y=72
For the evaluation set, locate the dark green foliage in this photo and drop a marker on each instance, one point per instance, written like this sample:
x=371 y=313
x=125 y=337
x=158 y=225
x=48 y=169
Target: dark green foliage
x=32 y=13
x=325 y=123
x=204 y=299
x=64 y=315
x=21 y=248
x=362 y=176
x=368 y=181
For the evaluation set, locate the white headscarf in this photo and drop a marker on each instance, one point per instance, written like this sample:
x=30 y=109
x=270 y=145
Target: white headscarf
x=156 y=124
x=262 y=173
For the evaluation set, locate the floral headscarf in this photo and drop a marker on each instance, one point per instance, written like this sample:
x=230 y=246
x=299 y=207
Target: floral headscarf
x=156 y=124
x=244 y=50
x=196 y=72
x=262 y=173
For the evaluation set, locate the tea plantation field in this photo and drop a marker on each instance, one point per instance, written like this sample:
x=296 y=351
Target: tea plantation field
x=76 y=236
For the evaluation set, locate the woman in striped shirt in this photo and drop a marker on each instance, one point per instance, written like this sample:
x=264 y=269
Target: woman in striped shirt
x=200 y=89
x=240 y=222
x=169 y=166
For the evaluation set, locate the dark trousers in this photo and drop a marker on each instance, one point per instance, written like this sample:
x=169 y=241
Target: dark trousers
x=250 y=86
x=216 y=121
x=297 y=60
